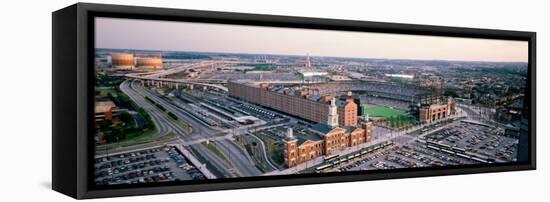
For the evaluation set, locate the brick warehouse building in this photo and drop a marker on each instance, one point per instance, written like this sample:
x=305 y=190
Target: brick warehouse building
x=337 y=119
x=326 y=141
x=297 y=102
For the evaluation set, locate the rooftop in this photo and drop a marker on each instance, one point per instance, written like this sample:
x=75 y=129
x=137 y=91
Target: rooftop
x=295 y=90
x=322 y=128
x=307 y=135
x=104 y=106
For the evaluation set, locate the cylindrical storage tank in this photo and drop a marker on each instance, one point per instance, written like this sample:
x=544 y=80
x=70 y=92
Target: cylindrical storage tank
x=149 y=62
x=122 y=60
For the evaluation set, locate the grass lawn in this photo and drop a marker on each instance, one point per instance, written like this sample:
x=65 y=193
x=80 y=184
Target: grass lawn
x=397 y=122
x=140 y=137
x=104 y=91
x=275 y=151
x=380 y=111
x=135 y=139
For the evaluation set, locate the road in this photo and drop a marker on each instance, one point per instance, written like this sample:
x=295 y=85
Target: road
x=264 y=152
x=241 y=162
x=157 y=117
x=158 y=76
x=218 y=163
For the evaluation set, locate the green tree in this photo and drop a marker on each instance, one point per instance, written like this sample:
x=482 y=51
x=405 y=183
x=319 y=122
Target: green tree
x=450 y=93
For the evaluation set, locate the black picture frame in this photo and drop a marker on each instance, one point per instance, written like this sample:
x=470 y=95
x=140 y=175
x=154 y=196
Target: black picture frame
x=73 y=87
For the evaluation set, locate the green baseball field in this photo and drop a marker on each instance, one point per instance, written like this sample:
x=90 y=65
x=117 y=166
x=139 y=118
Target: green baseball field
x=380 y=111
x=392 y=118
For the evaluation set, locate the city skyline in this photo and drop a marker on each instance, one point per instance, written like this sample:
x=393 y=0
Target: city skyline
x=114 y=33
x=208 y=110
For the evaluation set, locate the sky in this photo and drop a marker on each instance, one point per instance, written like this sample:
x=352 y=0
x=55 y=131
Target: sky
x=119 y=33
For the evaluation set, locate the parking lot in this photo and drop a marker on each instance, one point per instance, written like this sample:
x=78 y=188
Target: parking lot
x=469 y=139
x=403 y=156
x=484 y=140
x=152 y=165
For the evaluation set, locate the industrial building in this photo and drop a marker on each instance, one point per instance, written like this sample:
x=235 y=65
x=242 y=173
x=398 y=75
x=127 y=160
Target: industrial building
x=300 y=102
x=326 y=140
x=127 y=61
x=154 y=63
x=122 y=60
x=105 y=111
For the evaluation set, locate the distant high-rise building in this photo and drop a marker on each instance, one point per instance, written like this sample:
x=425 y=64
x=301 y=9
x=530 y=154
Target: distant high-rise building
x=308 y=62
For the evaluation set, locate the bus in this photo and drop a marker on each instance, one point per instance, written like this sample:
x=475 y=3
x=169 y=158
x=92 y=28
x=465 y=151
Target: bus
x=323 y=167
x=458 y=149
x=331 y=157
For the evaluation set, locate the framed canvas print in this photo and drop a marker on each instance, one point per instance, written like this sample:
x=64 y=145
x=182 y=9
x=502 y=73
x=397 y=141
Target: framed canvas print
x=155 y=100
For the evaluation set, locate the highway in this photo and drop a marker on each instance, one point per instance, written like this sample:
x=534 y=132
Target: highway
x=139 y=93
x=156 y=116
x=239 y=158
x=158 y=76
x=241 y=162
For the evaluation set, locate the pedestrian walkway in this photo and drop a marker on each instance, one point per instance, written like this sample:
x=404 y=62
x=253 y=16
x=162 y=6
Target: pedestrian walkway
x=194 y=161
